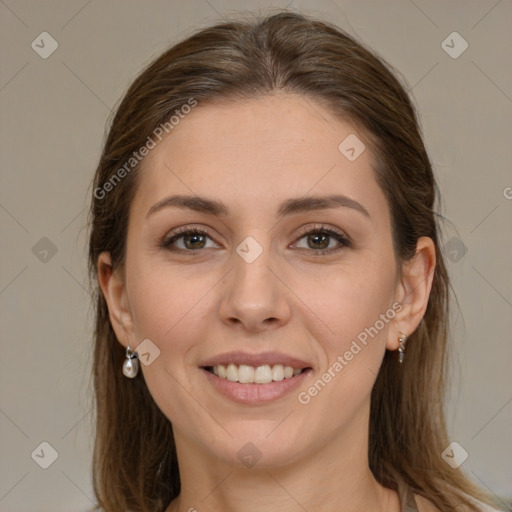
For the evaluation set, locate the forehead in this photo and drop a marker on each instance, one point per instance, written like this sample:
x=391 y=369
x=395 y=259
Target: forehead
x=255 y=152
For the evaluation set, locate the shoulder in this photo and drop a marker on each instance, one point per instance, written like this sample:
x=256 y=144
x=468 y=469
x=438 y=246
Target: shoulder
x=425 y=505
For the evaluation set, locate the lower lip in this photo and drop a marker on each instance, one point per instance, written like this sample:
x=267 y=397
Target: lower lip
x=255 y=394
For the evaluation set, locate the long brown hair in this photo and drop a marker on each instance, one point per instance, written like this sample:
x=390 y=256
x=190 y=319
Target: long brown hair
x=135 y=465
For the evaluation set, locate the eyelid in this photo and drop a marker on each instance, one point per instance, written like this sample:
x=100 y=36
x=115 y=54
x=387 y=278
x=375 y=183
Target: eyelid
x=177 y=233
x=304 y=230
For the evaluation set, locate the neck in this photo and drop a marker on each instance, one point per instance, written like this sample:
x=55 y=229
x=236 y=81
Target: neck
x=334 y=478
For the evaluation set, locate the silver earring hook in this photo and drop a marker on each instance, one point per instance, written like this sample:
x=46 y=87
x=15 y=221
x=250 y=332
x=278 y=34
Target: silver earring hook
x=402 y=338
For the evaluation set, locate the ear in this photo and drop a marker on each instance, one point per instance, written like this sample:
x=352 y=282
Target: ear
x=413 y=290
x=113 y=286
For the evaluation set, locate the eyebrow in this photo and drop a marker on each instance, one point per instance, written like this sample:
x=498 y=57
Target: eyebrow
x=288 y=207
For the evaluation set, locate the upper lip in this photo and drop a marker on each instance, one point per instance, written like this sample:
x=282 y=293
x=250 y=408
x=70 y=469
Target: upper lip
x=260 y=359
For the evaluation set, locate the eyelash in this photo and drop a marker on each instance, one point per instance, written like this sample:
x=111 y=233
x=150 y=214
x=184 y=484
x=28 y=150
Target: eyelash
x=315 y=230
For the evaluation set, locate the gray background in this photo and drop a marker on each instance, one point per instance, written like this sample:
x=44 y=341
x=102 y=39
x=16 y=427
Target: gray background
x=53 y=114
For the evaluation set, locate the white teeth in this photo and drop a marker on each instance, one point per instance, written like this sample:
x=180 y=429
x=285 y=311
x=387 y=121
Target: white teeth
x=221 y=371
x=278 y=372
x=245 y=374
x=263 y=374
x=288 y=372
x=232 y=373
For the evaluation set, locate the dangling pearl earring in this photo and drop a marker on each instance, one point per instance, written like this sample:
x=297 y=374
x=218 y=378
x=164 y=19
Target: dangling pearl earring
x=131 y=365
x=402 y=338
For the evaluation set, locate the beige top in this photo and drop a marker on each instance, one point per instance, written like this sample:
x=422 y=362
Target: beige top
x=407 y=501
x=410 y=502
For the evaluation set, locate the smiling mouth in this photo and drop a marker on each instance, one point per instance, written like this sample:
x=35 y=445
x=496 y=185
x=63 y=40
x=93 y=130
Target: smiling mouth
x=262 y=374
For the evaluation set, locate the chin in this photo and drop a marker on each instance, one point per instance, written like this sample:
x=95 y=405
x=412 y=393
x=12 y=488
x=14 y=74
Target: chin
x=259 y=447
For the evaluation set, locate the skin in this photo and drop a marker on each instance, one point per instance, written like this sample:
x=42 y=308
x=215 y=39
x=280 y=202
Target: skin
x=258 y=153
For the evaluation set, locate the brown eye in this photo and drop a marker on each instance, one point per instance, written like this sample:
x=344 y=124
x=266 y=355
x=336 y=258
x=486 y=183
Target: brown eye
x=193 y=239
x=319 y=239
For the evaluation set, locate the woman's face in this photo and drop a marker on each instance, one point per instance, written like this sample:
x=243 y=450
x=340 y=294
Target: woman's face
x=257 y=290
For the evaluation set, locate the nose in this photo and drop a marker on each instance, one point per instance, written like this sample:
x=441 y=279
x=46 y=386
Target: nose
x=255 y=297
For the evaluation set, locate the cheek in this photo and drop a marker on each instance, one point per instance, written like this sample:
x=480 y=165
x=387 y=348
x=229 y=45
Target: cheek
x=351 y=301
x=164 y=297
x=358 y=311
x=357 y=308
x=168 y=308
x=361 y=305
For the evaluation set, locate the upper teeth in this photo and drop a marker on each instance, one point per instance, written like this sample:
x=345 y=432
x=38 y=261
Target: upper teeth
x=259 y=375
